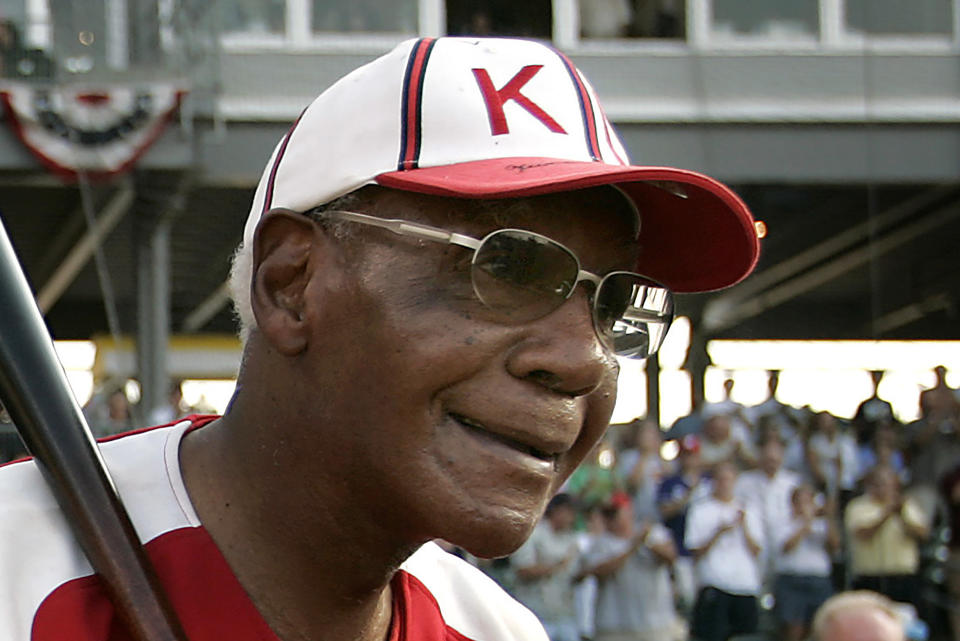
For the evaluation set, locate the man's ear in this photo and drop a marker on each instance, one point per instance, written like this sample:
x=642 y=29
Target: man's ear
x=282 y=247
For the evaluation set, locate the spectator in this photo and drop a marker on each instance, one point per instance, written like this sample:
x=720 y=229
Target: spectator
x=642 y=468
x=858 y=616
x=881 y=450
x=782 y=415
x=722 y=440
x=933 y=443
x=831 y=455
x=585 y=590
x=795 y=454
x=594 y=481
x=950 y=486
x=884 y=531
x=872 y=413
x=725 y=535
x=674 y=497
x=174 y=407
x=940 y=403
x=767 y=489
x=804 y=544
x=110 y=416
x=737 y=412
x=545 y=566
x=634 y=599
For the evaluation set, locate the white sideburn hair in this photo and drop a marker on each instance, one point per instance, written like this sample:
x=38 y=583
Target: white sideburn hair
x=240 y=281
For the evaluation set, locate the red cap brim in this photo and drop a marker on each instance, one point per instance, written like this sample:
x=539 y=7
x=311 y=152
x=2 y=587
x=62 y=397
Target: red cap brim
x=696 y=234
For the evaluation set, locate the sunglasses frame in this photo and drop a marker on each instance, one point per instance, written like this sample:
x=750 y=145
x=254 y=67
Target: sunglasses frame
x=427 y=232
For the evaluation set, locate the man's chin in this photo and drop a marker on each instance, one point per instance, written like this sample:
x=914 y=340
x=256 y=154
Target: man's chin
x=495 y=548
x=495 y=537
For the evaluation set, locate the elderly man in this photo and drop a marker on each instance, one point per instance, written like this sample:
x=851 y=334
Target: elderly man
x=858 y=616
x=443 y=257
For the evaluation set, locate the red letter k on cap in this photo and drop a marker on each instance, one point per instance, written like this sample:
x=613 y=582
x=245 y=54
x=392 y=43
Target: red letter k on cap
x=495 y=99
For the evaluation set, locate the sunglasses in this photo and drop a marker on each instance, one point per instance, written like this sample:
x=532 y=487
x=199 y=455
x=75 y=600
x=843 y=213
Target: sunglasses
x=523 y=276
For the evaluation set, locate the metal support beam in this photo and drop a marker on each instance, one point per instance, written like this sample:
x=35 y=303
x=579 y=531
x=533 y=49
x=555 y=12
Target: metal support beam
x=59 y=245
x=737 y=306
x=697 y=361
x=162 y=204
x=77 y=258
x=653 y=388
x=153 y=312
x=909 y=314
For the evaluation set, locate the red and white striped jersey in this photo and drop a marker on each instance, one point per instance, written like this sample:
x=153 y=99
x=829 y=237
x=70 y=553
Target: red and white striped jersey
x=50 y=593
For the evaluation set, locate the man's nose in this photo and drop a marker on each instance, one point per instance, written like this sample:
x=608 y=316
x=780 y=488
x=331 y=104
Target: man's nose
x=562 y=351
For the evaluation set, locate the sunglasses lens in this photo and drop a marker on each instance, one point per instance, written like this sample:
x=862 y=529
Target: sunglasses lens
x=632 y=313
x=523 y=275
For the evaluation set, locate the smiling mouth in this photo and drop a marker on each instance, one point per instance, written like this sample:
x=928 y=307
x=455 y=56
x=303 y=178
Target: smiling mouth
x=520 y=446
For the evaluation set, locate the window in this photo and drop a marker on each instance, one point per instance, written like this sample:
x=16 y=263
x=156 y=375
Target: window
x=532 y=18
x=773 y=19
x=632 y=18
x=895 y=17
x=252 y=16
x=368 y=16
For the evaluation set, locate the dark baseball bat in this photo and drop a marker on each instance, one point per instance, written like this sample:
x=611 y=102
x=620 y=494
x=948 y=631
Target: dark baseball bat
x=35 y=391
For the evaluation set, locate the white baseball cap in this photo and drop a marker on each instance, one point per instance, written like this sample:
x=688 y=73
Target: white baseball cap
x=500 y=118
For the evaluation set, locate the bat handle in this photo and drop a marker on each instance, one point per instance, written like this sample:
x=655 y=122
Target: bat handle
x=35 y=391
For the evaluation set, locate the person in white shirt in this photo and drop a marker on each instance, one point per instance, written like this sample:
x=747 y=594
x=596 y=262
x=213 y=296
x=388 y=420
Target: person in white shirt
x=545 y=566
x=832 y=457
x=632 y=565
x=725 y=536
x=722 y=440
x=804 y=544
x=642 y=468
x=768 y=488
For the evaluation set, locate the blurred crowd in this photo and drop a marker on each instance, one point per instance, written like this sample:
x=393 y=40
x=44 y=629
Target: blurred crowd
x=735 y=521
x=755 y=517
x=108 y=412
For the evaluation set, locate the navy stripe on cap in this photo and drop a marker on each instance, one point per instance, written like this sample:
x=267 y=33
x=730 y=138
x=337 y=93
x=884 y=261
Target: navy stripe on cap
x=411 y=119
x=586 y=108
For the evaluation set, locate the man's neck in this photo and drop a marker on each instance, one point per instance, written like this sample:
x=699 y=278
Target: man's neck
x=312 y=575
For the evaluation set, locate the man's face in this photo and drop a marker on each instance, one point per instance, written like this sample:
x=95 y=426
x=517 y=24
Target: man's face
x=771 y=456
x=562 y=518
x=724 y=480
x=448 y=421
x=717 y=429
x=883 y=485
x=690 y=460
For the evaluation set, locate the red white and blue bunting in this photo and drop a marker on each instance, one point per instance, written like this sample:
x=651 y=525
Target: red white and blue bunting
x=98 y=131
